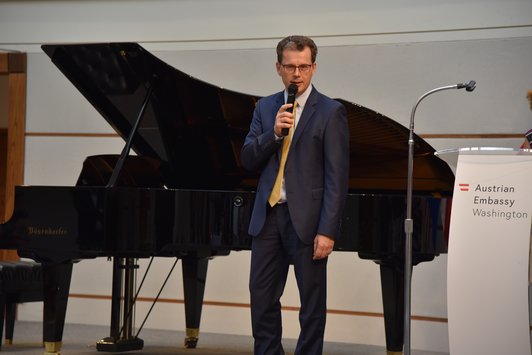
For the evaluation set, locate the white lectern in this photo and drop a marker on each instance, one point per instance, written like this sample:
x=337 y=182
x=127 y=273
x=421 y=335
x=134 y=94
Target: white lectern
x=489 y=248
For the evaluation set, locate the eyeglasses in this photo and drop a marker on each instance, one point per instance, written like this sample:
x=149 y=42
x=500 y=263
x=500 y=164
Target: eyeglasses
x=303 y=68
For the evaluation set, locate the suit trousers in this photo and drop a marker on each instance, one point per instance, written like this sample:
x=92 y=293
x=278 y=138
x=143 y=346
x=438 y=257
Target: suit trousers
x=273 y=251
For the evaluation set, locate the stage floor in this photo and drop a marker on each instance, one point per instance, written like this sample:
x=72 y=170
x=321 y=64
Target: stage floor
x=81 y=340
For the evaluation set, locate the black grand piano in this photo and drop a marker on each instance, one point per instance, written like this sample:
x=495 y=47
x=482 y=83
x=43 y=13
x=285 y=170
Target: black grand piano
x=185 y=195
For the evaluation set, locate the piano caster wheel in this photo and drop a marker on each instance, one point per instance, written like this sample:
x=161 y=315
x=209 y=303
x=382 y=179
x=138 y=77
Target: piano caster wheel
x=191 y=342
x=191 y=338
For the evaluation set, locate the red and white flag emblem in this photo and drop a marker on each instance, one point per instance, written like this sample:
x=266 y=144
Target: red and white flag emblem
x=464 y=187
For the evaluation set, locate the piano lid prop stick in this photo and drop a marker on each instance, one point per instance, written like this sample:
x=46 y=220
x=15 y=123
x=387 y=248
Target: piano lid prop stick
x=125 y=152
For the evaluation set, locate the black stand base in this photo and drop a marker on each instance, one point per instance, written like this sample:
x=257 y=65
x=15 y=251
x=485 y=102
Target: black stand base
x=117 y=345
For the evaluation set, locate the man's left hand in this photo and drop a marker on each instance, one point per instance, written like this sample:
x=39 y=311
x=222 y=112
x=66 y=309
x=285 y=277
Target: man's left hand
x=323 y=246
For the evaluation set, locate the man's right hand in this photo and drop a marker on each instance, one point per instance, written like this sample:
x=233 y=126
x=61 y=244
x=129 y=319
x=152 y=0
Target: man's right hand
x=283 y=119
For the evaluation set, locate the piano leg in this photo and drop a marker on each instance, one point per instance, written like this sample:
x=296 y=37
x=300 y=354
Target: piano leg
x=194 y=277
x=56 y=283
x=392 y=284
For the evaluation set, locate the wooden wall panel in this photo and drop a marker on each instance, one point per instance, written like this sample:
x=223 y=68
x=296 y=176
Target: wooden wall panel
x=12 y=143
x=3 y=165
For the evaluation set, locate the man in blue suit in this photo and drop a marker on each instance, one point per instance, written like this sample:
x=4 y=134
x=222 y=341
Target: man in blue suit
x=299 y=227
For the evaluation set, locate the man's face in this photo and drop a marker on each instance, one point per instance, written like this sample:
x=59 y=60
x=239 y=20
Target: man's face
x=296 y=68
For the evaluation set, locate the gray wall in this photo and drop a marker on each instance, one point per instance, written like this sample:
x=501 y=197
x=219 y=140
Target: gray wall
x=381 y=54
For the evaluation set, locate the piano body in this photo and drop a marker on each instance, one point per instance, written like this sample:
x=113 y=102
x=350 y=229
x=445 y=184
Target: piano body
x=185 y=194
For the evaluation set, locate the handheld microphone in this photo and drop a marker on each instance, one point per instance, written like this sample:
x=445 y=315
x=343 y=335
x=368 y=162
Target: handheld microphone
x=292 y=91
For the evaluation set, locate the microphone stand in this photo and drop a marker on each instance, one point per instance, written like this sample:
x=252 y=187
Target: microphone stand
x=409 y=223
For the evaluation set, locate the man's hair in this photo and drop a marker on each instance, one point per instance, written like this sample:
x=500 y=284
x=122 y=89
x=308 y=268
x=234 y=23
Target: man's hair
x=296 y=43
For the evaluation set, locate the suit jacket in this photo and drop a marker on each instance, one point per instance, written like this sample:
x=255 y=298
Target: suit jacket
x=317 y=166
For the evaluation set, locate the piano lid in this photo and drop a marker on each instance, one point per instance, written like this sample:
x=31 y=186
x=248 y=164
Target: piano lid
x=198 y=129
x=189 y=124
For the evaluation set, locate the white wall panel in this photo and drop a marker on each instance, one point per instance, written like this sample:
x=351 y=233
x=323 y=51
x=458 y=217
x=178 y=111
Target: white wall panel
x=385 y=78
x=54 y=105
x=58 y=160
x=185 y=21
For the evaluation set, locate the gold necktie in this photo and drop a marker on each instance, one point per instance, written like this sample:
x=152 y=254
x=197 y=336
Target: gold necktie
x=275 y=195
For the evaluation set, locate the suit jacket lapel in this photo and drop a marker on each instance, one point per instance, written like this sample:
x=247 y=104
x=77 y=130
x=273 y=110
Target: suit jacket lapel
x=308 y=112
x=279 y=101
